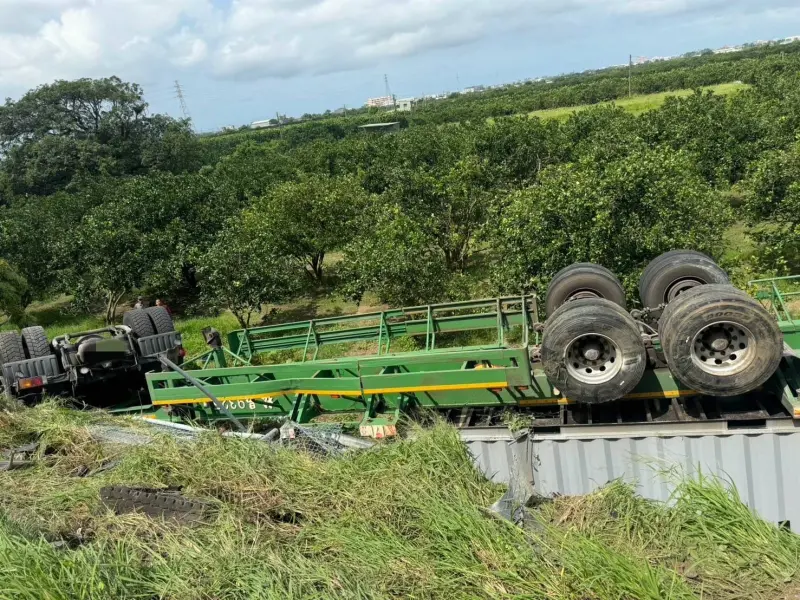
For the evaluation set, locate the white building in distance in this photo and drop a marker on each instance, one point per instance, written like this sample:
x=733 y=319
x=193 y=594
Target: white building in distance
x=405 y=104
x=380 y=102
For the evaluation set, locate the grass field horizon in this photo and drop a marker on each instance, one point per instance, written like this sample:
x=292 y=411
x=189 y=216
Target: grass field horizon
x=640 y=103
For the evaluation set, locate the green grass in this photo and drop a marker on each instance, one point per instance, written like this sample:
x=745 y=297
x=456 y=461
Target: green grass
x=405 y=520
x=637 y=104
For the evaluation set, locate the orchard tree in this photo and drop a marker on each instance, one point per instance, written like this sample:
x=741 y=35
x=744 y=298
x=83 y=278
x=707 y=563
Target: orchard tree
x=308 y=218
x=241 y=272
x=37 y=237
x=620 y=215
x=720 y=139
x=772 y=207
x=453 y=205
x=394 y=257
x=66 y=129
x=148 y=232
x=252 y=169
x=13 y=295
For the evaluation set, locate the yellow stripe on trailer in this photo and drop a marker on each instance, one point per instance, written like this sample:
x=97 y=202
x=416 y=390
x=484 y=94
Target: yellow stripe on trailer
x=207 y=400
x=663 y=394
x=638 y=396
x=357 y=393
x=439 y=388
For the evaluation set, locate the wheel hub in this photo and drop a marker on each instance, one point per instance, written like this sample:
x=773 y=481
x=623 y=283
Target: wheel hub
x=592 y=358
x=676 y=288
x=723 y=348
x=579 y=294
x=592 y=351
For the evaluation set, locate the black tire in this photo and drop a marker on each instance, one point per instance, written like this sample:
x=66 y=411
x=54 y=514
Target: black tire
x=154 y=503
x=11 y=348
x=619 y=367
x=673 y=273
x=581 y=280
x=160 y=318
x=696 y=325
x=139 y=322
x=34 y=341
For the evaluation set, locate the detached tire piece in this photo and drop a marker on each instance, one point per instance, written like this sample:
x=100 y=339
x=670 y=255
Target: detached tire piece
x=34 y=341
x=139 y=322
x=592 y=351
x=673 y=273
x=11 y=348
x=160 y=318
x=718 y=341
x=583 y=280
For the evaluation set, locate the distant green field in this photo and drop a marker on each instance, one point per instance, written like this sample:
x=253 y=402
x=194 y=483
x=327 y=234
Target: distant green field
x=637 y=104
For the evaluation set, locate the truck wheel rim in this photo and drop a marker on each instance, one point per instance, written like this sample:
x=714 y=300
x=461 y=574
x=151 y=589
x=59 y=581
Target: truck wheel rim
x=679 y=286
x=592 y=358
x=584 y=293
x=723 y=348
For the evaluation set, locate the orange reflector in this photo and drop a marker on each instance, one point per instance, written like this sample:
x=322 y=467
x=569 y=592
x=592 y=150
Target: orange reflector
x=495 y=390
x=30 y=383
x=335 y=396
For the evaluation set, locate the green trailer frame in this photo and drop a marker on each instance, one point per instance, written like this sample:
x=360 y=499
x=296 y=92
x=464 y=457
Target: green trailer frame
x=776 y=294
x=373 y=390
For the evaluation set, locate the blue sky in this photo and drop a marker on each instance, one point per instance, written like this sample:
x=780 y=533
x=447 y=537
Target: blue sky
x=243 y=60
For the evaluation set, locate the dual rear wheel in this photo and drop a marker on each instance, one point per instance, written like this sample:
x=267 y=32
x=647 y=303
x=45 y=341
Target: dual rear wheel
x=715 y=339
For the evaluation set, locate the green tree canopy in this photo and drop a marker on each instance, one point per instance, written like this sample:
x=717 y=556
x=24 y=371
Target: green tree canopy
x=241 y=272
x=13 y=292
x=396 y=260
x=308 y=218
x=772 y=208
x=67 y=129
x=621 y=216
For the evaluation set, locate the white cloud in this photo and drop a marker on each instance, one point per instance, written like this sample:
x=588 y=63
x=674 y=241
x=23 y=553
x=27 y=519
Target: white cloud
x=76 y=38
x=187 y=48
x=41 y=40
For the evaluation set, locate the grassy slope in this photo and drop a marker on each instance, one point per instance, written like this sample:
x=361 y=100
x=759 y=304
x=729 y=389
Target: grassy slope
x=637 y=104
x=405 y=520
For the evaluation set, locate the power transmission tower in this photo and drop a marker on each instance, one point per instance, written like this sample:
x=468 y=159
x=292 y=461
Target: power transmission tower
x=389 y=91
x=181 y=99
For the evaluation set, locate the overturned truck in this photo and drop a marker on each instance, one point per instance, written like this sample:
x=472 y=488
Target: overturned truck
x=697 y=349
x=105 y=366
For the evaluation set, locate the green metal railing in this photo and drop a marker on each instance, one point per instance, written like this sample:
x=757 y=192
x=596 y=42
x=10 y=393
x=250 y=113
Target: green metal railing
x=769 y=292
x=380 y=328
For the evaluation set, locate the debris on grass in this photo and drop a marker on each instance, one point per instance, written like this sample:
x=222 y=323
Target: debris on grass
x=405 y=519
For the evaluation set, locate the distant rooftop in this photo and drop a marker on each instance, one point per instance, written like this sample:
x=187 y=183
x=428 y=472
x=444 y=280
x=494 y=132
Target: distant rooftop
x=374 y=125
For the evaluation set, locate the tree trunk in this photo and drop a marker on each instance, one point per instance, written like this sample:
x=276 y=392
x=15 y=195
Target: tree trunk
x=240 y=318
x=115 y=305
x=109 y=299
x=314 y=265
x=112 y=300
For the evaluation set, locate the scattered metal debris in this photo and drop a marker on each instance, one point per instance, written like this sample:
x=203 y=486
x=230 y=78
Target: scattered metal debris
x=520 y=493
x=322 y=438
x=119 y=435
x=19 y=457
